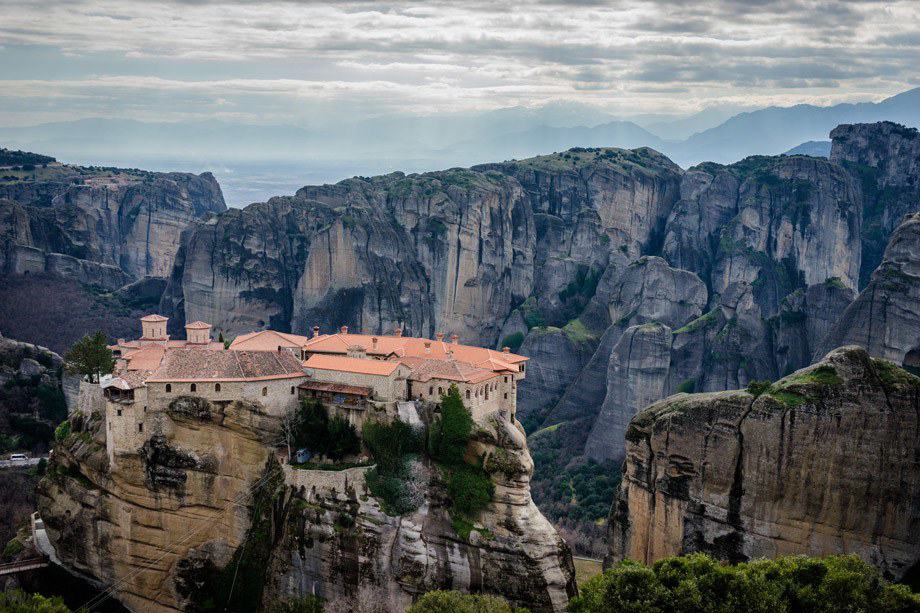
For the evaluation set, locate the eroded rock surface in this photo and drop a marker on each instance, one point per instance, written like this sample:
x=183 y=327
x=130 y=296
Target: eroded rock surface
x=205 y=493
x=824 y=461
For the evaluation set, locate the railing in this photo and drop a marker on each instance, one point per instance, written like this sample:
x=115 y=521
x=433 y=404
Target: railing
x=22 y=565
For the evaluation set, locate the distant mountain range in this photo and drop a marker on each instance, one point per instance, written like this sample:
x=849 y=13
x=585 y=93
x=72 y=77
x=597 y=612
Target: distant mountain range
x=254 y=162
x=816 y=148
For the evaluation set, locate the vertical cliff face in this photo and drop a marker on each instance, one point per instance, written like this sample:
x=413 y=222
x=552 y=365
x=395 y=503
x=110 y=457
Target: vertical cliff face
x=885 y=317
x=204 y=499
x=127 y=220
x=823 y=461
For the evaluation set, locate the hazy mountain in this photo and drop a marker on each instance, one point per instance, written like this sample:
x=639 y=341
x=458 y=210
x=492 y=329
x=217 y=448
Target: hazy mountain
x=254 y=162
x=816 y=148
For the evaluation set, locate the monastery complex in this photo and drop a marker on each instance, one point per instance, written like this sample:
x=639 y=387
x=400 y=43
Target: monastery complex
x=356 y=376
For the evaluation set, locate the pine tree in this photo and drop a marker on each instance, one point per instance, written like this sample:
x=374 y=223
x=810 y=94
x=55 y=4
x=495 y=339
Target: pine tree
x=91 y=357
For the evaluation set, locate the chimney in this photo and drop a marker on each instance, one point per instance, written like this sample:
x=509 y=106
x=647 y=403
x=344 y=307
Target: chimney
x=315 y=331
x=506 y=349
x=439 y=336
x=344 y=329
x=454 y=338
x=427 y=346
x=398 y=331
x=374 y=343
x=450 y=354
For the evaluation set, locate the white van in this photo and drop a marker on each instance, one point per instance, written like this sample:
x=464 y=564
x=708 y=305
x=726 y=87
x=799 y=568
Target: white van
x=19 y=457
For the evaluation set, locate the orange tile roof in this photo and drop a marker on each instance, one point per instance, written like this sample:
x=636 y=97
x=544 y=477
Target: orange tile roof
x=267 y=340
x=153 y=317
x=197 y=325
x=364 y=366
x=171 y=344
x=407 y=346
x=205 y=365
x=425 y=369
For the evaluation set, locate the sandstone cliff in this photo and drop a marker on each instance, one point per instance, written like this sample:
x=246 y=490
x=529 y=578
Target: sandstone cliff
x=103 y=226
x=205 y=500
x=885 y=317
x=824 y=461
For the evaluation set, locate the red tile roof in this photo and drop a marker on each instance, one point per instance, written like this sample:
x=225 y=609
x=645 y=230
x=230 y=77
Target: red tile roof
x=154 y=317
x=267 y=340
x=426 y=369
x=197 y=325
x=364 y=366
x=205 y=365
x=406 y=346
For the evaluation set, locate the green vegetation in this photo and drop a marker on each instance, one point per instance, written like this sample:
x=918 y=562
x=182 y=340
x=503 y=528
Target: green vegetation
x=834 y=282
x=13 y=547
x=530 y=311
x=91 y=357
x=578 y=332
x=8 y=157
x=448 y=438
x=333 y=437
x=16 y=601
x=442 y=601
x=394 y=447
x=304 y=604
x=470 y=490
x=62 y=431
x=513 y=341
x=698 y=583
x=582 y=286
x=756 y=388
x=699 y=323
x=687 y=386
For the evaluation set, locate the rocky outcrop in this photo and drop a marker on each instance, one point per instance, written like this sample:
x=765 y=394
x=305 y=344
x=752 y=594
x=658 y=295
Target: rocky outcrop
x=204 y=500
x=885 y=158
x=102 y=226
x=822 y=462
x=455 y=251
x=885 y=317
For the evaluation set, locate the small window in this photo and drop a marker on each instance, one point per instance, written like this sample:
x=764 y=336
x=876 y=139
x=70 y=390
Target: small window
x=168 y=388
x=217 y=387
x=119 y=412
x=140 y=427
x=506 y=378
x=467 y=394
x=292 y=389
x=506 y=395
x=145 y=409
x=431 y=391
x=265 y=391
x=194 y=387
x=440 y=391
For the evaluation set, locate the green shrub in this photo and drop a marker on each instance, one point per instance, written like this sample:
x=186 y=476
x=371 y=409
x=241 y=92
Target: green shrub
x=756 y=388
x=13 y=547
x=470 y=490
x=305 y=604
x=62 y=431
x=442 y=601
x=393 y=446
x=687 y=387
x=449 y=436
x=17 y=601
x=700 y=583
x=513 y=341
x=342 y=439
x=333 y=437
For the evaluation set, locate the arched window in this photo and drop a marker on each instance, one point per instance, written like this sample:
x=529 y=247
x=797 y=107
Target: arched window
x=265 y=391
x=168 y=388
x=431 y=391
x=217 y=387
x=467 y=394
x=292 y=389
x=193 y=388
x=440 y=391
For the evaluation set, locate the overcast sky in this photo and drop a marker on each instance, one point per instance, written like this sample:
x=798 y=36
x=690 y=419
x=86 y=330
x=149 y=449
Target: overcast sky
x=308 y=63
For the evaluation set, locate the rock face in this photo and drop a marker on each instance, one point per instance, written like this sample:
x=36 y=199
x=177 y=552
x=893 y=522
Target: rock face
x=822 y=462
x=885 y=158
x=205 y=495
x=455 y=251
x=885 y=318
x=103 y=226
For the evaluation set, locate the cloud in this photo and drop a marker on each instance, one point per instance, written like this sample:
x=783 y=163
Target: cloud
x=176 y=57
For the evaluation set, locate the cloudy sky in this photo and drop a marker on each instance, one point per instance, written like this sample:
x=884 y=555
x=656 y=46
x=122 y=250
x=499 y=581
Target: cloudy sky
x=308 y=63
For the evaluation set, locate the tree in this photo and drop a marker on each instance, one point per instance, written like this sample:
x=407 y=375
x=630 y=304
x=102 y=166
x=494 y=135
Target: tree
x=17 y=601
x=91 y=357
x=450 y=435
x=443 y=601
